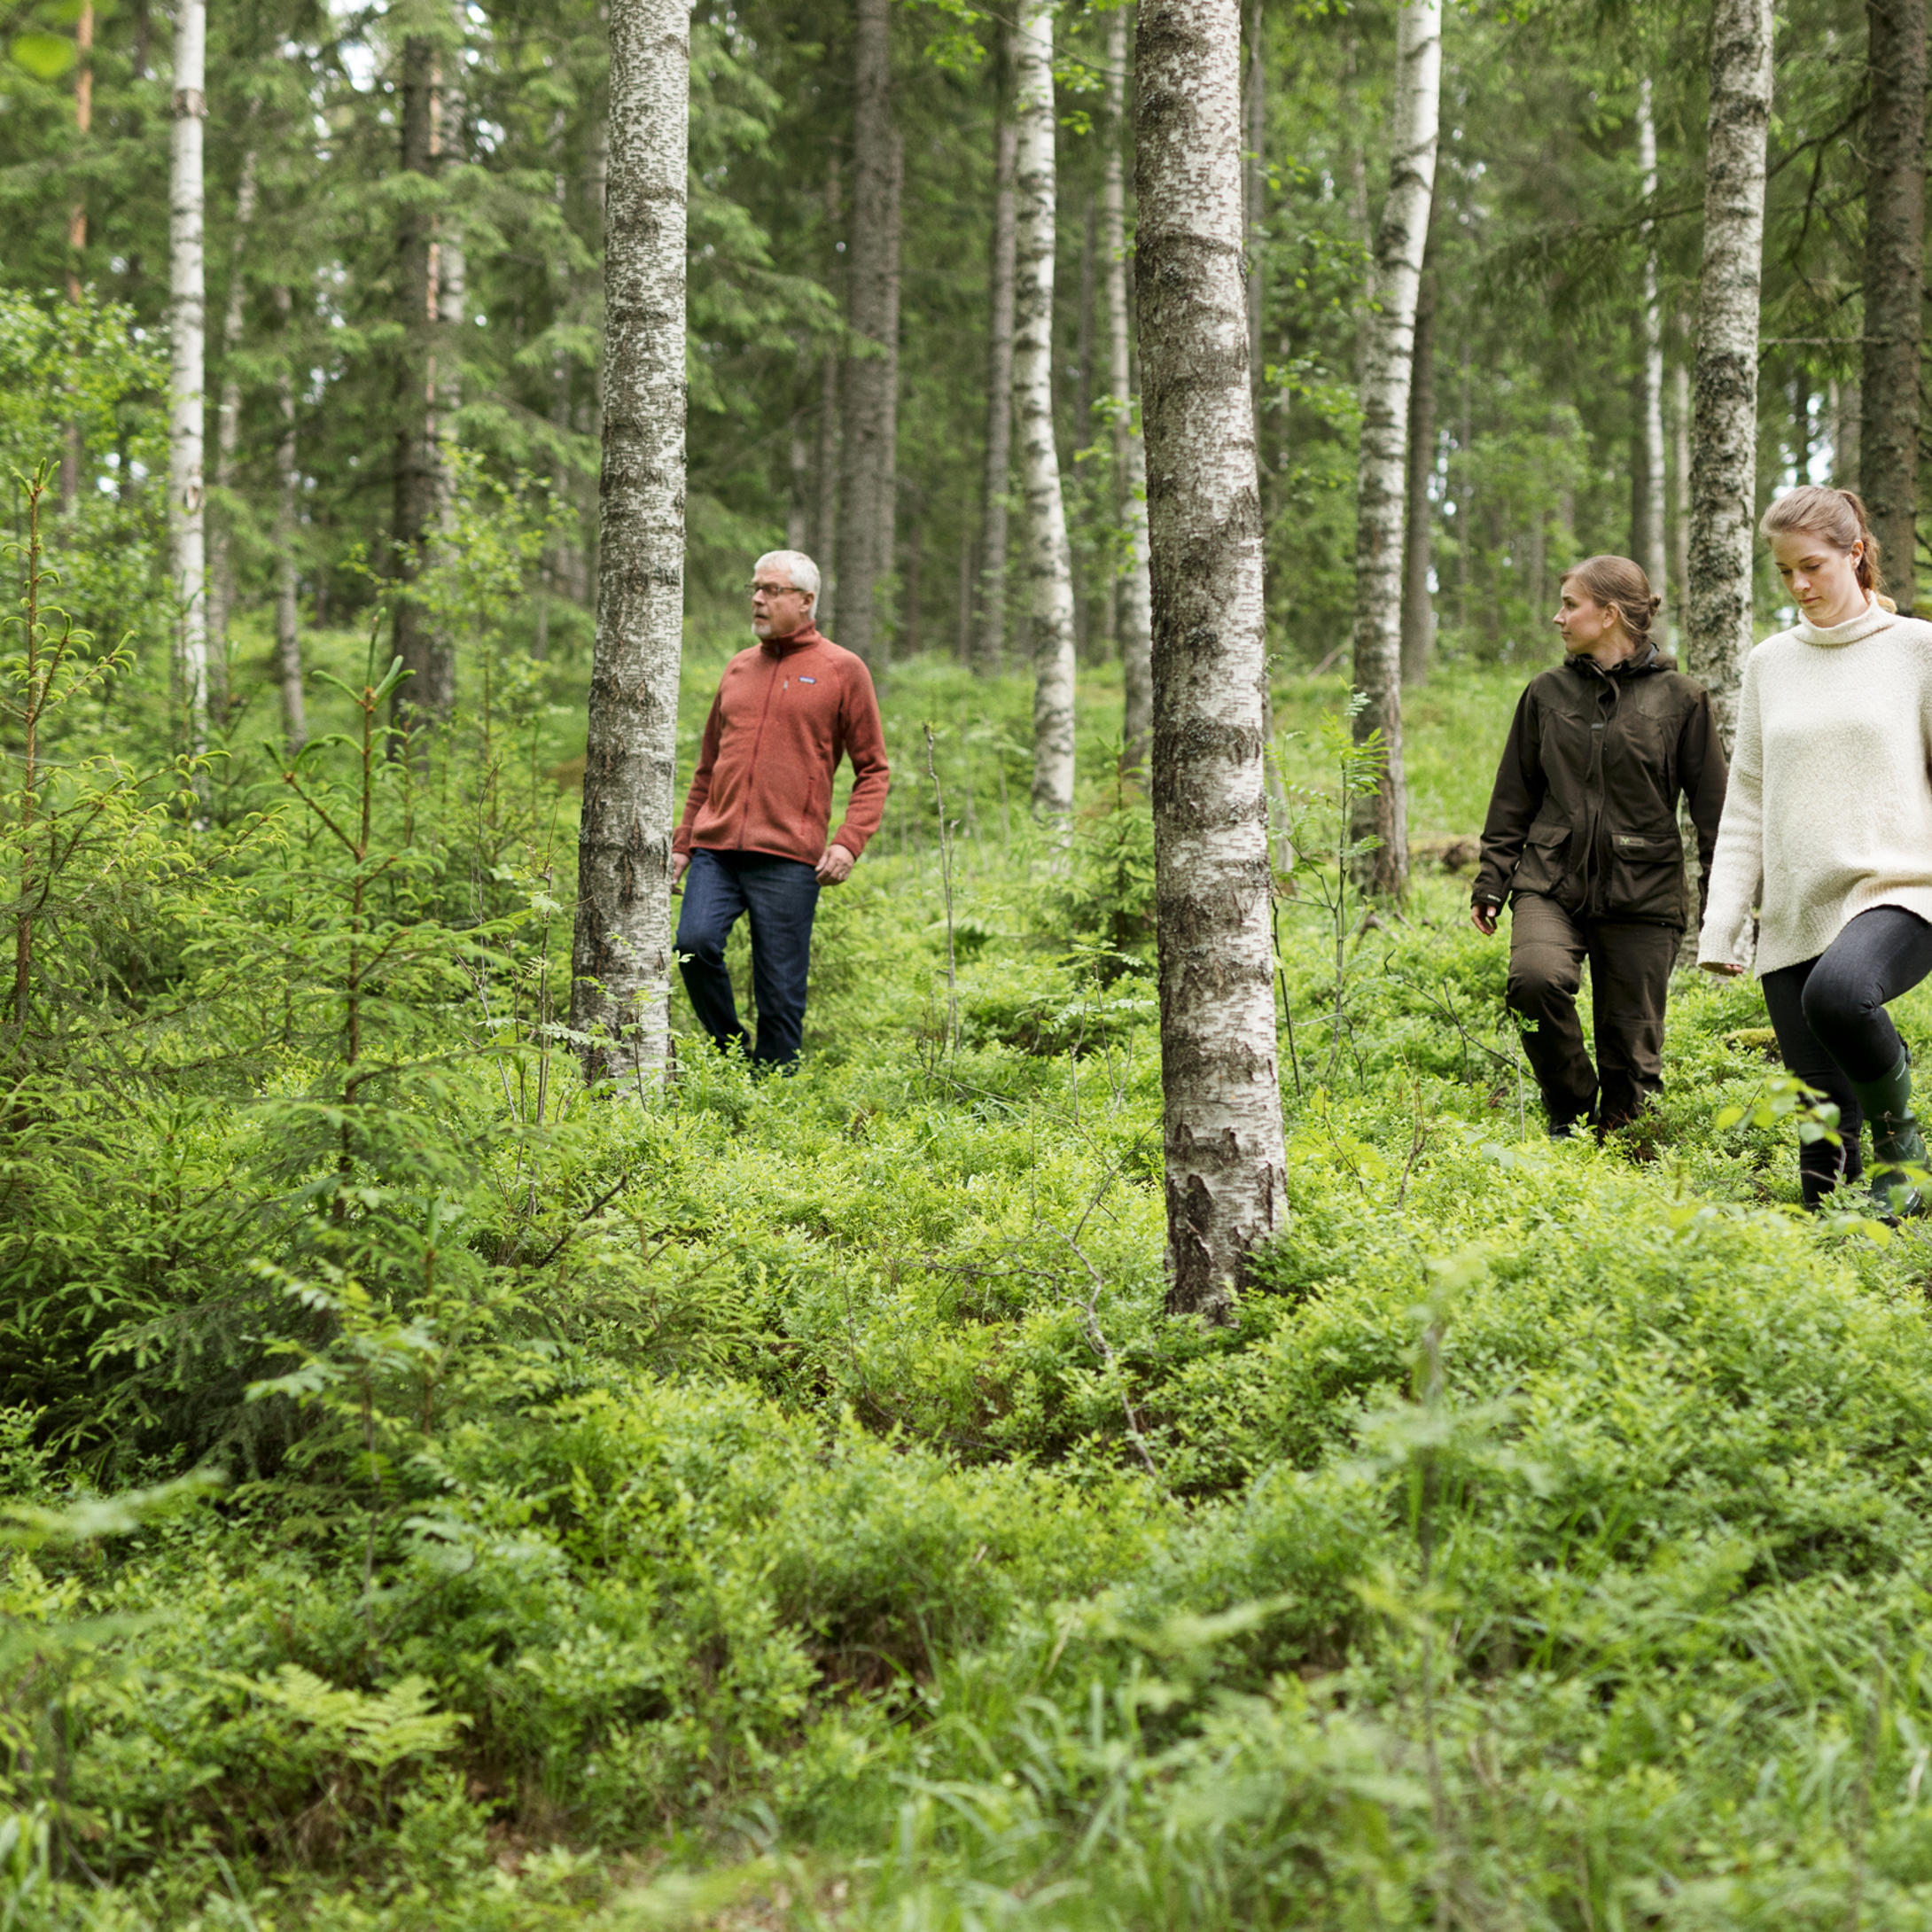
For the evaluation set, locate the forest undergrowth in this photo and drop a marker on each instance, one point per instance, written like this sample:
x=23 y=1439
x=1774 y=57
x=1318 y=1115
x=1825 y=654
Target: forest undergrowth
x=435 y=1497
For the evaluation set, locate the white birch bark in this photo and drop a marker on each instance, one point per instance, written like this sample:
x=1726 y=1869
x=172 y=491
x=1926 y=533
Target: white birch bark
x=228 y=438
x=1723 y=435
x=622 y=954
x=1132 y=618
x=1381 y=475
x=1219 y=1081
x=1653 y=553
x=1049 y=567
x=188 y=332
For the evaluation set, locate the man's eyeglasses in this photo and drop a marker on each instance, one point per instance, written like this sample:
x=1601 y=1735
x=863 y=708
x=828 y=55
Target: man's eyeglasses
x=775 y=590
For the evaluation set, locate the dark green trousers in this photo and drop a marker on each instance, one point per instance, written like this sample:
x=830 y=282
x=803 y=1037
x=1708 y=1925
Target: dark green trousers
x=1630 y=979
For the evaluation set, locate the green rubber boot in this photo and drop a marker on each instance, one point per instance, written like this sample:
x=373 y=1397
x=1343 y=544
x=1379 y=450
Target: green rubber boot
x=1895 y=1140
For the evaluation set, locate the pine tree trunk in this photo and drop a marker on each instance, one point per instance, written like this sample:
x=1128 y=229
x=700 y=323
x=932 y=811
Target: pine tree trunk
x=1049 y=563
x=1133 y=619
x=187 y=399
x=1723 y=439
x=1894 y=282
x=1651 y=551
x=867 y=483
x=1418 y=609
x=621 y=956
x=227 y=441
x=989 y=634
x=288 y=635
x=418 y=699
x=1220 y=1086
x=1380 y=491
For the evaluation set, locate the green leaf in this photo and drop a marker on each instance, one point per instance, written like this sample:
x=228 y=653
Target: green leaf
x=45 y=56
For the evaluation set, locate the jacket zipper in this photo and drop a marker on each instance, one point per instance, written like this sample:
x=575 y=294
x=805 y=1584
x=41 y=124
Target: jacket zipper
x=745 y=817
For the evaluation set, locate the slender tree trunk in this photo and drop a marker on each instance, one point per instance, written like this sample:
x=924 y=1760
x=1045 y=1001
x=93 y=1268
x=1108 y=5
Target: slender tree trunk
x=227 y=441
x=989 y=635
x=1418 y=609
x=418 y=698
x=1652 y=552
x=1894 y=282
x=825 y=532
x=187 y=398
x=868 y=484
x=621 y=956
x=1132 y=618
x=1680 y=421
x=1724 y=440
x=83 y=124
x=1400 y=242
x=288 y=635
x=452 y=311
x=1846 y=412
x=1255 y=193
x=1048 y=564
x=1221 y=1086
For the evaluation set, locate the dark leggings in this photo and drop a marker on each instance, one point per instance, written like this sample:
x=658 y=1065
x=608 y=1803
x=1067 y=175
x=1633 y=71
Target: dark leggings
x=1833 y=1029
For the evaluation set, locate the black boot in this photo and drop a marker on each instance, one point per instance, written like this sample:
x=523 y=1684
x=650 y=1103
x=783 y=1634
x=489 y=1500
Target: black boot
x=1896 y=1140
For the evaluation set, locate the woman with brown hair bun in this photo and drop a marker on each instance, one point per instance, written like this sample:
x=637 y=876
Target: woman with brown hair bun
x=1828 y=833
x=1582 y=842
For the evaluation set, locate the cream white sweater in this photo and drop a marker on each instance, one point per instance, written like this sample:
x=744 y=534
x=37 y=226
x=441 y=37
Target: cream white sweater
x=1829 y=810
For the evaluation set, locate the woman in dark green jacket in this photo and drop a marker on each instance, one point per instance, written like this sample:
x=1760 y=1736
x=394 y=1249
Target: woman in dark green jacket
x=1582 y=843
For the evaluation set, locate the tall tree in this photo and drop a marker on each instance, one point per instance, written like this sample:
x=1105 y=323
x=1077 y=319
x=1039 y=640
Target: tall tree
x=1400 y=238
x=1894 y=281
x=288 y=634
x=869 y=479
x=1132 y=618
x=620 y=957
x=449 y=280
x=228 y=439
x=428 y=694
x=989 y=631
x=188 y=318
x=1221 y=1086
x=1049 y=567
x=83 y=123
x=1418 y=607
x=1724 y=434
x=1651 y=551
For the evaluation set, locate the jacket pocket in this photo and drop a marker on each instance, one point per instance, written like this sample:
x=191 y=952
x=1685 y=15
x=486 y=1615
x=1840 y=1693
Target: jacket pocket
x=1545 y=852
x=1647 y=877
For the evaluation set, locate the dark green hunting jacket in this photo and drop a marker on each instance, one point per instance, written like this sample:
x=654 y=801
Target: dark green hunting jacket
x=1585 y=808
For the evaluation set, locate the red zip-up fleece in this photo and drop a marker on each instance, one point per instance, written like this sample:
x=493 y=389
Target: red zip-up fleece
x=786 y=711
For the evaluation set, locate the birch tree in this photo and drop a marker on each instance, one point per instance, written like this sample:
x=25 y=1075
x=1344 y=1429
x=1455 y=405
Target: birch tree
x=868 y=482
x=620 y=958
x=1220 y=1086
x=1894 y=281
x=1133 y=619
x=1724 y=434
x=1049 y=567
x=451 y=281
x=188 y=333
x=989 y=630
x=1399 y=240
x=1652 y=552
x=288 y=634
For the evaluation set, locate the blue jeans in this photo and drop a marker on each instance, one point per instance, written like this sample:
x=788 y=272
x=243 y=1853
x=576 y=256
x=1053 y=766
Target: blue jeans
x=782 y=897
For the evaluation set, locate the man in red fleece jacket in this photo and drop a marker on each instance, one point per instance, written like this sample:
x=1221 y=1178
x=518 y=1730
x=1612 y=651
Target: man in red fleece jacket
x=753 y=835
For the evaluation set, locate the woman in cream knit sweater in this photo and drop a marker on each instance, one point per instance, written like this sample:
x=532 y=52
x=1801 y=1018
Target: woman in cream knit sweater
x=1828 y=831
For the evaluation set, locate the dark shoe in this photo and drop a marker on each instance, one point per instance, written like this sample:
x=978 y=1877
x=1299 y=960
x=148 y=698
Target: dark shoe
x=1896 y=1140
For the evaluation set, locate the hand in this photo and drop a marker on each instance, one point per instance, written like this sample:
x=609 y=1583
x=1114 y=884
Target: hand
x=679 y=861
x=835 y=866
x=1722 y=968
x=1483 y=919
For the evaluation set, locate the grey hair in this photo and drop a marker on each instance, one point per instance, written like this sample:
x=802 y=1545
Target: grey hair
x=799 y=567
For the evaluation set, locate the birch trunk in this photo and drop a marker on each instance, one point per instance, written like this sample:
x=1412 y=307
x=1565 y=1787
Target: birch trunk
x=1049 y=562
x=1894 y=281
x=621 y=956
x=866 y=489
x=227 y=441
x=1723 y=438
x=1255 y=184
x=989 y=634
x=1418 y=608
x=187 y=399
x=1651 y=550
x=1380 y=490
x=418 y=700
x=288 y=635
x=452 y=311
x=1221 y=1087
x=1133 y=619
